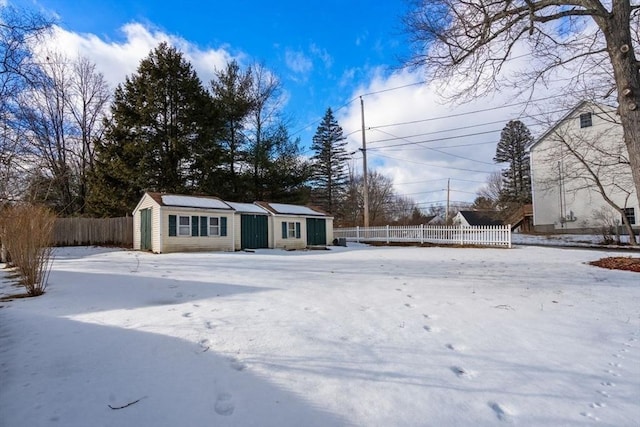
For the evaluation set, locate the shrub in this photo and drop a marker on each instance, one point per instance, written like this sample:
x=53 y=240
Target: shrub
x=28 y=230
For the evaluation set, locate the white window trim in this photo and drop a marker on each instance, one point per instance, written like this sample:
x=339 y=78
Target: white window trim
x=181 y=226
x=212 y=227
x=291 y=232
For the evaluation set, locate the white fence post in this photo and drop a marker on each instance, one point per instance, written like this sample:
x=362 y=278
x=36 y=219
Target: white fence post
x=387 y=234
x=422 y=234
x=358 y=234
x=461 y=235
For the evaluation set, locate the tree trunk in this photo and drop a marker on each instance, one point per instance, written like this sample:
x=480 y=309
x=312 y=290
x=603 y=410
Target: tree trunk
x=617 y=32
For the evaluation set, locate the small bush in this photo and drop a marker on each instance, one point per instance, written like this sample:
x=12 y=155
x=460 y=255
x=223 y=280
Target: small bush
x=27 y=235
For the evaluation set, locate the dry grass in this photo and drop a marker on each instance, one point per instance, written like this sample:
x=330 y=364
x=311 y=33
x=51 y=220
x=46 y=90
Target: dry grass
x=27 y=232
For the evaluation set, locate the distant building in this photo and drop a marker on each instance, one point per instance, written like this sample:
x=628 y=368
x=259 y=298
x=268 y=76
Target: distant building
x=565 y=196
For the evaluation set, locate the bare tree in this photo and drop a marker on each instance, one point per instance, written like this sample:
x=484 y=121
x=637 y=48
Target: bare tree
x=20 y=30
x=596 y=40
x=87 y=102
x=61 y=118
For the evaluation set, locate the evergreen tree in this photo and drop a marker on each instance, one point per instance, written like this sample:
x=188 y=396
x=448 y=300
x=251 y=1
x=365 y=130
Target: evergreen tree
x=161 y=120
x=512 y=149
x=330 y=168
x=233 y=98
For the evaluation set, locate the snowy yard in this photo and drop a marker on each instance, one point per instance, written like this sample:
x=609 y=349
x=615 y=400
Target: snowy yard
x=359 y=336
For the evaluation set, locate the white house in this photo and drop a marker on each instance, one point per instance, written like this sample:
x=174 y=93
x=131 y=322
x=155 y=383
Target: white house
x=177 y=223
x=582 y=156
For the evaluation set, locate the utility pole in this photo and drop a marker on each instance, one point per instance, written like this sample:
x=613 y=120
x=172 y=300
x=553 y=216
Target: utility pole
x=446 y=214
x=364 y=169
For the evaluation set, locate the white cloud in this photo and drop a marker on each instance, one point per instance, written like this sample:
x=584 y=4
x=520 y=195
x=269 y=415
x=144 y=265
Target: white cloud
x=323 y=55
x=298 y=62
x=117 y=59
x=417 y=139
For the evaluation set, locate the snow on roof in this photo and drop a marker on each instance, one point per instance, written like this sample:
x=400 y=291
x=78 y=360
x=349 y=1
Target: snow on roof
x=293 y=209
x=247 y=208
x=194 y=202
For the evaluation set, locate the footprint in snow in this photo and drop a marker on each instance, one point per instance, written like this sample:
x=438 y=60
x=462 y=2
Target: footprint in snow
x=603 y=393
x=208 y=325
x=408 y=305
x=502 y=412
x=462 y=372
x=597 y=405
x=224 y=404
x=454 y=347
x=186 y=315
x=607 y=384
x=589 y=415
x=430 y=328
x=238 y=365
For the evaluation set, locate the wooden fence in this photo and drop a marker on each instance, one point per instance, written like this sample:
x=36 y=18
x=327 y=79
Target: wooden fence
x=94 y=231
x=454 y=235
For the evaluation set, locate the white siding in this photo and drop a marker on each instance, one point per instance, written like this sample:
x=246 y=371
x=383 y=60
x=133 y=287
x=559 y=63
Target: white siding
x=329 y=222
x=563 y=196
x=145 y=203
x=289 y=243
x=199 y=243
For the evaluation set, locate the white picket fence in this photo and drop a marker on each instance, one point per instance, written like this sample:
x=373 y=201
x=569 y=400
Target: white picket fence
x=499 y=235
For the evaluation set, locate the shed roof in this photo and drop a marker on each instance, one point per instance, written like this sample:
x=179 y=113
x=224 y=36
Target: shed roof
x=247 y=208
x=286 y=209
x=480 y=218
x=202 y=202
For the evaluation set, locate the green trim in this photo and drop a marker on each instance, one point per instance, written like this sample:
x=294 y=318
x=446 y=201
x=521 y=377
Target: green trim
x=223 y=226
x=173 y=225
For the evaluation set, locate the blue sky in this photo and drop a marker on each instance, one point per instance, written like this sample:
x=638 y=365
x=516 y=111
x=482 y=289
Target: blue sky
x=326 y=54
x=320 y=49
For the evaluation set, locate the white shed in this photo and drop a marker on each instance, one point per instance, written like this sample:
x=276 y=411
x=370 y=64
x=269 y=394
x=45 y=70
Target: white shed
x=178 y=223
x=298 y=227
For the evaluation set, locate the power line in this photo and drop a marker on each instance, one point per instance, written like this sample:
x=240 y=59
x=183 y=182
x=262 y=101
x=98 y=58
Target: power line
x=436 y=150
x=431 y=164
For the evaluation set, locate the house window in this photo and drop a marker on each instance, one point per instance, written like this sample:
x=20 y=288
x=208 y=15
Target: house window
x=630 y=213
x=586 y=120
x=184 y=226
x=197 y=226
x=291 y=230
x=214 y=226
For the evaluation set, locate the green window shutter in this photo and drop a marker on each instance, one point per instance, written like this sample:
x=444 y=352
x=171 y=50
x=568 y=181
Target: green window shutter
x=173 y=228
x=194 y=226
x=223 y=226
x=204 y=226
x=284 y=230
x=297 y=230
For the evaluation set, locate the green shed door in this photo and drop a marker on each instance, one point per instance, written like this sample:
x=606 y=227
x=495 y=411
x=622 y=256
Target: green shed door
x=254 y=232
x=145 y=229
x=316 y=231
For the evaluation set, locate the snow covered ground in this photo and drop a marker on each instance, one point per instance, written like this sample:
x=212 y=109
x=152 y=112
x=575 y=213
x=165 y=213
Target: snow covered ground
x=363 y=336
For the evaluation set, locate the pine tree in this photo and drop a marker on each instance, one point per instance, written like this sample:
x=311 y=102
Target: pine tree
x=330 y=169
x=233 y=98
x=512 y=149
x=161 y=119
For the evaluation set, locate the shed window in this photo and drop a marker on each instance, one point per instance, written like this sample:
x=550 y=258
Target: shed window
x=290 y=230
x=214 y=226
x=586 y=120
x=184 y=226
x=630 y=213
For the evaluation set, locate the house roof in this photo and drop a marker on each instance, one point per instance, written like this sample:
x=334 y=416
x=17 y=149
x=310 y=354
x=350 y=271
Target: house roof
x=202 y=202
x=285 y=209
x=480 y=218
x=247 y=208
x=564 y=118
